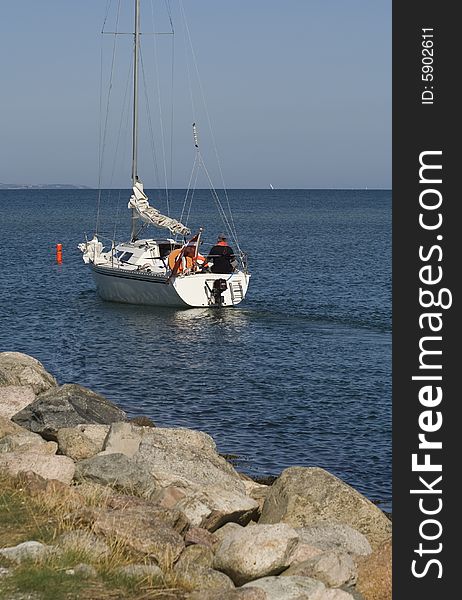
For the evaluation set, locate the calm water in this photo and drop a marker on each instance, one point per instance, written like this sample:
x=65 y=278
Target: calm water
x=299 y=374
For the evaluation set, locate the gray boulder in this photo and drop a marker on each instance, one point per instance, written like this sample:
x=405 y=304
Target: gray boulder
x=67 y=406
x=297 y=588
x=118 y=471
x=253 y=552
x=250 y=593
x=141 y=571
x=47 y=466
x=7 y=427
x=334 y=569
x=75 y=444
x=335 y=536
x=83 y=542
x=123 y=438
x=26 y=441
x=26 y=551
x=196 y=555
x=209 y=490
x=142 y=532
x=304 y=496
x=19 y=369
x=196 y=577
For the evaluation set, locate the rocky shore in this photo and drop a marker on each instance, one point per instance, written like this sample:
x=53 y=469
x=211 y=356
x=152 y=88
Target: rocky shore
x=182 y=522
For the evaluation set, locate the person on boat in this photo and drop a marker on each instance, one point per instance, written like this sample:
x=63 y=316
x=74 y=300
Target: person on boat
x=222 y=256
x=189 y=260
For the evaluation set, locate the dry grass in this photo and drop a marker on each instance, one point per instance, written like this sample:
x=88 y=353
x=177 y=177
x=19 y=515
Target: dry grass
x=30 y=513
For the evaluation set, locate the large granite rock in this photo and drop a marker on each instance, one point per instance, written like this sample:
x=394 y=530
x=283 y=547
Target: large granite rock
x=47 y=466
x=83 y=543
x=123 y=438
x=334 y=569
x=375 y=574
x=304 y=496
x=14 y=398
x=208 y=489
x=253 y=552
x=196 y=555
x=196 y=577
x=250 y=593
x=297 y=588
x=75 y=444
x=335 y=536
x=19 y=369
x=142 y=532
x=67 y=406
x=7 y=427
x=118 y=471
x=26 y=441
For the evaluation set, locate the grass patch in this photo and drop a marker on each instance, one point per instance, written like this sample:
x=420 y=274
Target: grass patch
x=27 y=513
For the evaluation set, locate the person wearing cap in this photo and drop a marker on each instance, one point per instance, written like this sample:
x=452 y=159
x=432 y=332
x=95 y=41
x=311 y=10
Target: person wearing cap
x=222 y=256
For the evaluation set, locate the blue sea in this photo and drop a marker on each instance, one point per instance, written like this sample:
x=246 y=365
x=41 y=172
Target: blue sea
x=298 y=374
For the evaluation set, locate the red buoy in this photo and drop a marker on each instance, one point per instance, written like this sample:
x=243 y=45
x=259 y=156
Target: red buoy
x=59 y=253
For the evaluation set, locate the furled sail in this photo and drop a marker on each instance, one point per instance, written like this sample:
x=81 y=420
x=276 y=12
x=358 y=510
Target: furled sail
x=139 y=202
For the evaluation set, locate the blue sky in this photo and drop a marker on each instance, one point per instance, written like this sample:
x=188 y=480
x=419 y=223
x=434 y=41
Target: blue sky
x=298 y=92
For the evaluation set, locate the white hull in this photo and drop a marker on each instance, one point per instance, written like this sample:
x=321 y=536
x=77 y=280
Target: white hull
x=195 y=290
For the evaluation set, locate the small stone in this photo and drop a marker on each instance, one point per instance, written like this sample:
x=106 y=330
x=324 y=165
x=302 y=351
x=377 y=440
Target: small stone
x=200 y=536
x=4 y=572
x=123 y=438
x=26 y=551
x=83 y=541
x=196 y=577
x=141 y=571
x=75 y=444
x=83 y=570
x=195 y=556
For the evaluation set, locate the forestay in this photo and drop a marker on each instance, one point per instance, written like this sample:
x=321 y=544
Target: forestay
x=148 y=214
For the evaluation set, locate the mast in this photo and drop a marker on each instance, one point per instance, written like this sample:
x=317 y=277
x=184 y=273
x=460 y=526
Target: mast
x=135 y=108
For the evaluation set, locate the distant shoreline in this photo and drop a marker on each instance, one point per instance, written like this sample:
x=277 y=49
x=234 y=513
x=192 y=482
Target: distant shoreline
x=64 y=186
x=45 y=186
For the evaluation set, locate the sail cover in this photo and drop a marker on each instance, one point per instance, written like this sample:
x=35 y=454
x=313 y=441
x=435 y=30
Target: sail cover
x=139 y=202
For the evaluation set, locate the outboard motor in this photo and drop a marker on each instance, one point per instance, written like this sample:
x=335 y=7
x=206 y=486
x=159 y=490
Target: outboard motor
x=219 y=287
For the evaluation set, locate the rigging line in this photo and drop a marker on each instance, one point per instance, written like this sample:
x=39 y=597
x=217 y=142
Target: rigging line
x=172 y=92
x=218 y=203
x=233 y=230
x=108 y=6
x=192 y=197
x=117 y=215
x=104 y=132
x=151 y=129
x=160 y=113
x=193 y=107
x=189 y=187
x=119 y=133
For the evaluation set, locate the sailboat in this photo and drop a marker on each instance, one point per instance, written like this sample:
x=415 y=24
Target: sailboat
x=160 y=271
